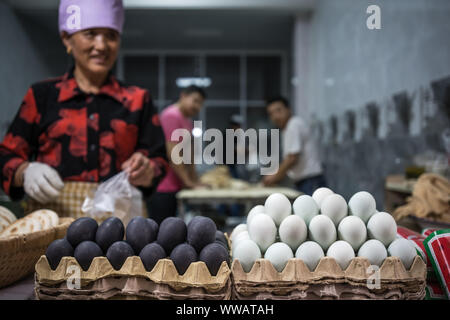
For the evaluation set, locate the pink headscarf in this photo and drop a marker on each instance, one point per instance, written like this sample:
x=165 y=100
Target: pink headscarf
x=77 y=15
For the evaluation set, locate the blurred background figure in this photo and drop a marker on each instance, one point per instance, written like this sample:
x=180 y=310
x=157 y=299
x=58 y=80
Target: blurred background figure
x=179 y=115
x=237 y=171
x=300 y=156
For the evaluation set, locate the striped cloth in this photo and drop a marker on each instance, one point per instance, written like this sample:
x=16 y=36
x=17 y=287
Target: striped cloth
x=70 y=201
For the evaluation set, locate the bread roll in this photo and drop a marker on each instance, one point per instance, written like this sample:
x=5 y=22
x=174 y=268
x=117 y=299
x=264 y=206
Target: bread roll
x=47 y=218
x=22 y=226
x=7 y=215
x=3 y=224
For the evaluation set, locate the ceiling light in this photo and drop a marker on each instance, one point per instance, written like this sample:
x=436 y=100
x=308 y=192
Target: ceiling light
x=196 y=81
x=197 y=132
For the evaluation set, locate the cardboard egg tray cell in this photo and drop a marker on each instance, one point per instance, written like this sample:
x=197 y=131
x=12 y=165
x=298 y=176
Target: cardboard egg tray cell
x=132 y=281
x=329 y=281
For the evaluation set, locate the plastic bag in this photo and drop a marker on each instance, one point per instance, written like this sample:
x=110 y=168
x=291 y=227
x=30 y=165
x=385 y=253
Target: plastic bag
x=117 y=197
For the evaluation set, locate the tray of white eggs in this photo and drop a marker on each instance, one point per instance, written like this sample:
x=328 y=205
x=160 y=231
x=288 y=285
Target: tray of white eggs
x=321 y=247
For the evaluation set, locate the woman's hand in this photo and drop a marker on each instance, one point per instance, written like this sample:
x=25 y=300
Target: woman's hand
x=202 y=186
x=140 y=170
x=270 y=180
x=41 y=182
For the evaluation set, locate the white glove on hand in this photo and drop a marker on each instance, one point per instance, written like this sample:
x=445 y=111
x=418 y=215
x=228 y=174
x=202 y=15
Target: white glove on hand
x=42 y=182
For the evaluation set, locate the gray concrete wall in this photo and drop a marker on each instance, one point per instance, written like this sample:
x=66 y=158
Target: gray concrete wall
x=21 y=64
x=352 y=65
x=376 y=98
x=46 y=41
x=352 y=165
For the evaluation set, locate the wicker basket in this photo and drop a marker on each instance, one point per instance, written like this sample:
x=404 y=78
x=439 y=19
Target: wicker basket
x=19 y=254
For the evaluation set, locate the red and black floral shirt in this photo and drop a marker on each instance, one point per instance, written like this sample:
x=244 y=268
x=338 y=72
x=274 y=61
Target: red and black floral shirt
x=85 y=137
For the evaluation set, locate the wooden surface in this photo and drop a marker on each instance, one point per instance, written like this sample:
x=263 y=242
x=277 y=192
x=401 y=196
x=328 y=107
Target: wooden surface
x=255 y=192
x=399 y=183
x=249 y=197
x=21 y=290
x=396 y=190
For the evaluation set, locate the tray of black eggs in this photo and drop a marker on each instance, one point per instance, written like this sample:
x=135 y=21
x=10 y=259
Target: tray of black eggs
x=181 y=256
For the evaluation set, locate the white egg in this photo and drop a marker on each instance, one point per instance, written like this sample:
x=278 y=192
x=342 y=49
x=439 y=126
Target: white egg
x=353 y=230
x=322 y=231
x=362 y=204
x=279 y=254
x=311 y=253
x=305 y=207
x=320 y=194
x=238 y=229
x=247 y=252
x=342 y=252
x=239 y=238
x=263 y=231
x=404 y=250
x=335 y=207
x=382 y=226
x=293 y=231
x=374 y=250
x=278 y=207
x=254 y=211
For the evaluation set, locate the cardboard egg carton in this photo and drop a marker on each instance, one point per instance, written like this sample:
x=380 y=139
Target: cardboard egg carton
x=132 y=281
x=329 y=281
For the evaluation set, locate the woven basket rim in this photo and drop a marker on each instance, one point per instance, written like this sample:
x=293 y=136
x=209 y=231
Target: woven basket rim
x=19 y=253
x=18 y=241
x=63 y=222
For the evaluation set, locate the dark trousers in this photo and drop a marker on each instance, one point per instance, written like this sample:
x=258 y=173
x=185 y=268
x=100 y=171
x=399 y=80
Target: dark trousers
x=162 y=205
x=309 y=185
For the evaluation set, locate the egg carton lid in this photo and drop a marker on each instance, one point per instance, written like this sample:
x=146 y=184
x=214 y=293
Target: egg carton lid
x=127 y=288
x=326 y=291
x=164 y=272
x=392 y=271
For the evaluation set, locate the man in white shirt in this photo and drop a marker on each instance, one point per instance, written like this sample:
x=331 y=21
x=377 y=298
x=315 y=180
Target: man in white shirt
x=301 y=160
